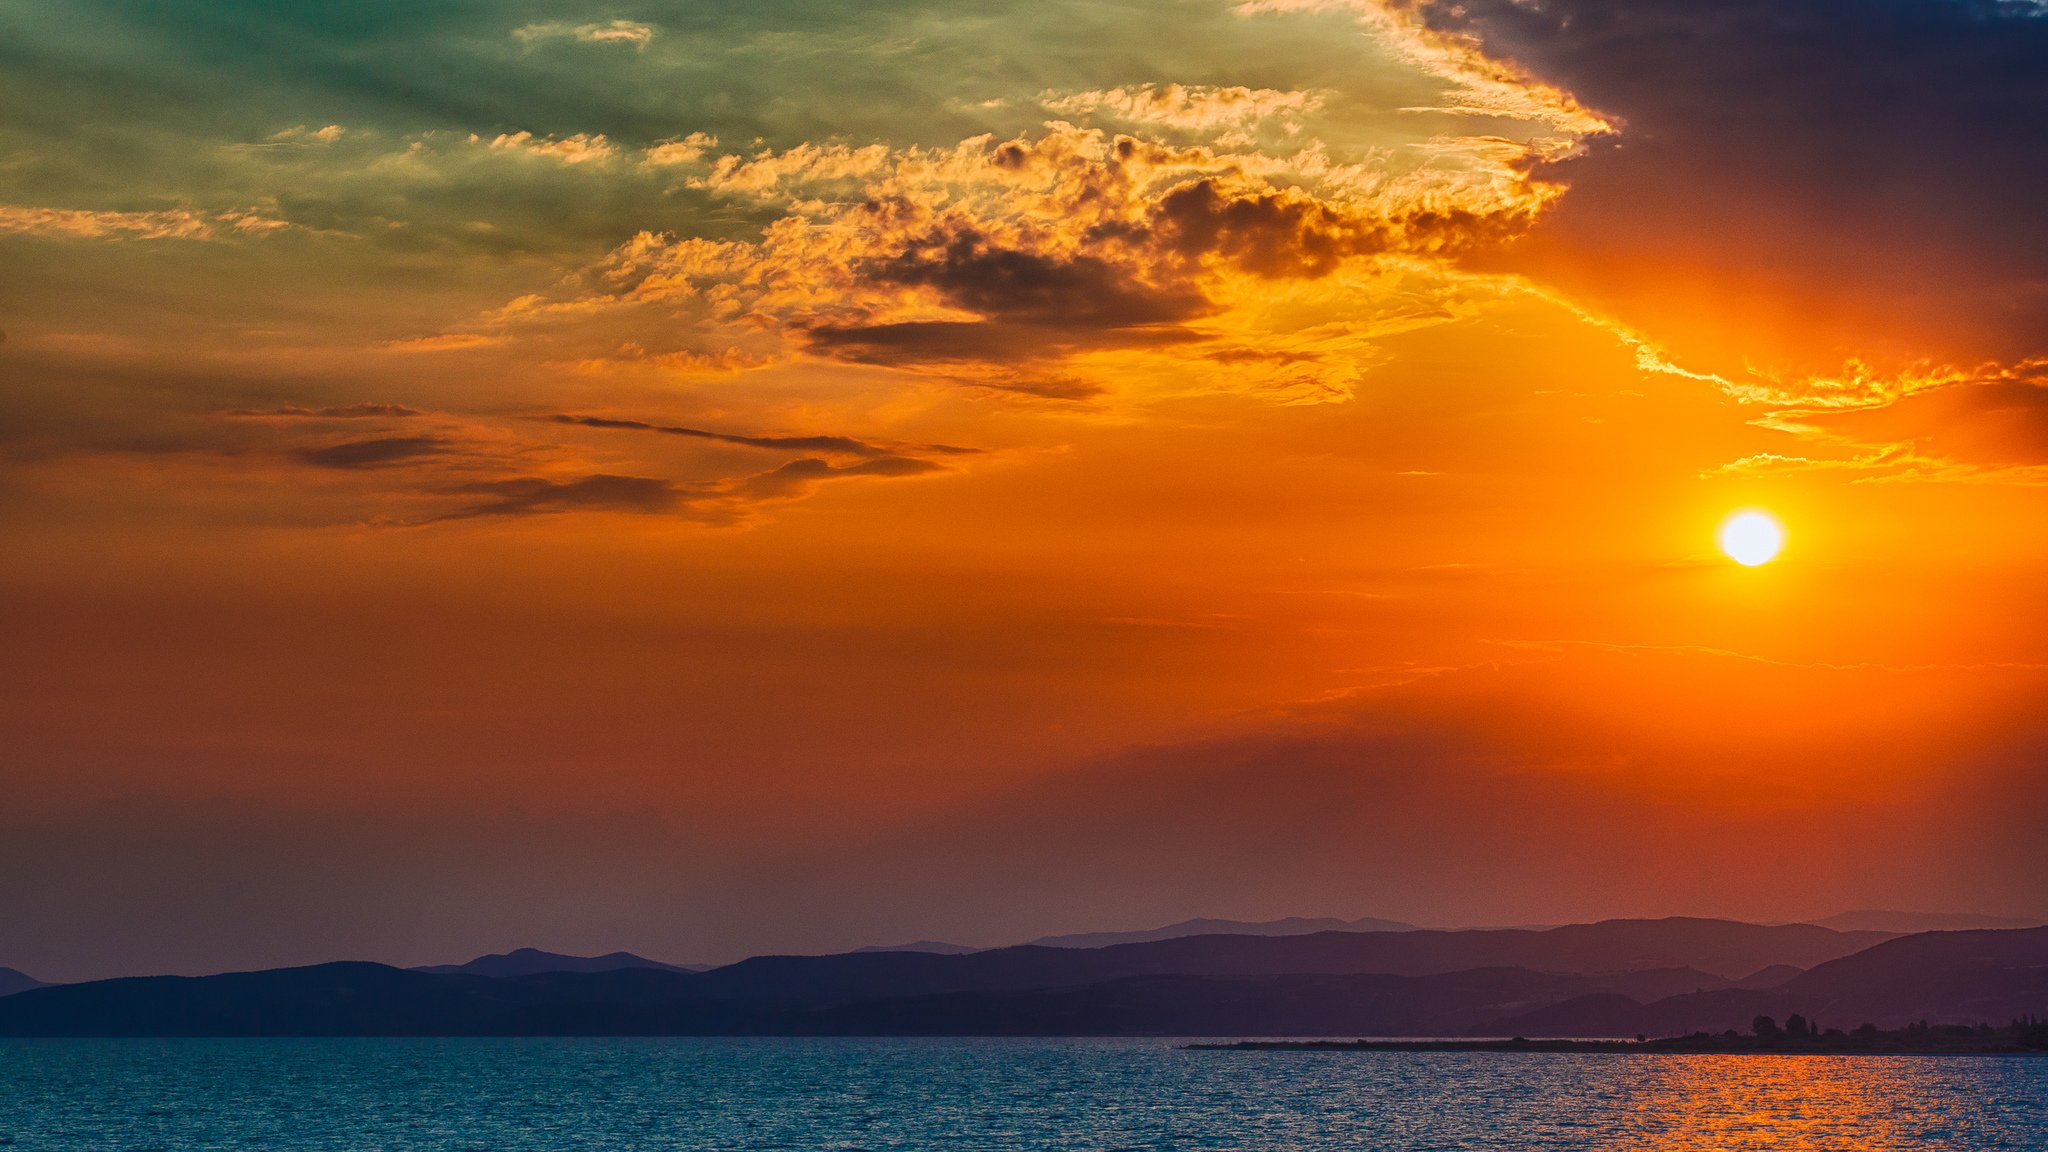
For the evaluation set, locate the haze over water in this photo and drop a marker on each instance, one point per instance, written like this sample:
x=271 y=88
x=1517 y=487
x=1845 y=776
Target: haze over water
x=624 y=1095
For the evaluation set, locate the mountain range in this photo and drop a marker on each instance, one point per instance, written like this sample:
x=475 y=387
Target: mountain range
x=533 y=962
x=1905 y=923
x=12 y=981
x=1204 y=926
x=1620 y=977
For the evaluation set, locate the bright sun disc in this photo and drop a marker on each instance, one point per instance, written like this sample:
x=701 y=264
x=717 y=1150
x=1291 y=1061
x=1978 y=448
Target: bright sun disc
x=1751 y=538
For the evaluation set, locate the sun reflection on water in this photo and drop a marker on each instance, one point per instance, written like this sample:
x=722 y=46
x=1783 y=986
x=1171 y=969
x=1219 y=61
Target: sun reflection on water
x=1836 y=1103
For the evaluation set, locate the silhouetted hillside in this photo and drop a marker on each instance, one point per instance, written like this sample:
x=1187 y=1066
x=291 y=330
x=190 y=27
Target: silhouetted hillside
x=939 y=947
x=1324 y=984
x=1722 y=947
x=370 y=999
x=1903 y=923
x=1446 y=1004
x=1958 y=977
x=533 y=961
x=1943 y=977
x=1291 y=926
x=12 y=981
x=1771 y=977
x=326 y=999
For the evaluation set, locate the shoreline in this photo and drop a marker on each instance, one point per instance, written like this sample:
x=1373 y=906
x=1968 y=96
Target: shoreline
x=1676 y=1046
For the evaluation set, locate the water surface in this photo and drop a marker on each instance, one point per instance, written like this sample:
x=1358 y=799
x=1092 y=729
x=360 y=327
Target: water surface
x=623 y=1095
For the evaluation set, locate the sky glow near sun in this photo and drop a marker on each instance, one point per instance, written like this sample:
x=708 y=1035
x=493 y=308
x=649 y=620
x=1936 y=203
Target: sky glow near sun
x=720 y=478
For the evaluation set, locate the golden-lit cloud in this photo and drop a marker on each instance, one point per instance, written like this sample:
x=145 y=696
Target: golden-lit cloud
x=682 y=150
x=984 y=259
x=167 y=224
x=1196 y=108
x=581 y=148
x=1482 y=84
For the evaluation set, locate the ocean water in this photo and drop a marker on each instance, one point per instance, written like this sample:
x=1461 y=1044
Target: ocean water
x=1069 y=1095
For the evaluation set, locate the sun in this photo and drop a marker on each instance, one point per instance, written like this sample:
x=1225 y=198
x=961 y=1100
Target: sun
x=1751 y=538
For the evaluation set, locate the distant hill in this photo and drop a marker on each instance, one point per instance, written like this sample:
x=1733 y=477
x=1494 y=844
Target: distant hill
x=374 y=1000
x=1331 y=983
x=533 y=962
x=1953 y=977
x=1904 y=923
x=1980 y=977
x=1724 y=948
x=1443 y=1004
x=1291 y=926
x=12 y=981
x=936 y=947
x=1771 y=977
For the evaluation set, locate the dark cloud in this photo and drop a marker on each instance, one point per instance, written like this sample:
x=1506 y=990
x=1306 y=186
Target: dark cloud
x=722 y=502
x=1079 y=292
x=1244 y=355
x=538 y=495
x=1266 y=233
x=800 y=476
x=1120 y=283
x=844 y=444
x=374 y=452
x=966 y=342
x=1035 y=305
x=338 y=412
x=1854 y=174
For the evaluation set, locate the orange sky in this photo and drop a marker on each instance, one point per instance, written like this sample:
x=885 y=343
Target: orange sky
x=703 y=482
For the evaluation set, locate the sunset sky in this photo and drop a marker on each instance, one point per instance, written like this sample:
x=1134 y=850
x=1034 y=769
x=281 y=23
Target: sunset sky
x=720 y=477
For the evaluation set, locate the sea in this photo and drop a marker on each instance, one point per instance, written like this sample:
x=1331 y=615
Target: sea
x=616 y=1095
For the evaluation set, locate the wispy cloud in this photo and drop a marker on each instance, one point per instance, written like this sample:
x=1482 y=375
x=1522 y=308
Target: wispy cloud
x=166 y=224
x=843 y=444
x=375 y=451
x=628 y=32
x=442 y=342
x=363 y=411
x=302 y=133
x=539 y=495
x=1189 y=107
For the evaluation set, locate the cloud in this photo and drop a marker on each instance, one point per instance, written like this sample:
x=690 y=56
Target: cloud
x=1482 y=85
x=443 y=342
x=1187 y=107
x=682 y=150
x=366 y=410
x=723 y=502
x=539 y=495
x=974 y=344
x=1276 y=233
x=843 y=444
x=582 y=148
x=374 y=452
x=630 y=32
x=1079 y=292
x=803 y=164
x=326 y=135
x=798 y=477
x=1996 y=419
x=167 y=224
x=990 y=260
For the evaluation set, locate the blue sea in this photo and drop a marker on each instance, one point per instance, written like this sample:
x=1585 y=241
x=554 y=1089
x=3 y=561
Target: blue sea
x=1069 y=1095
